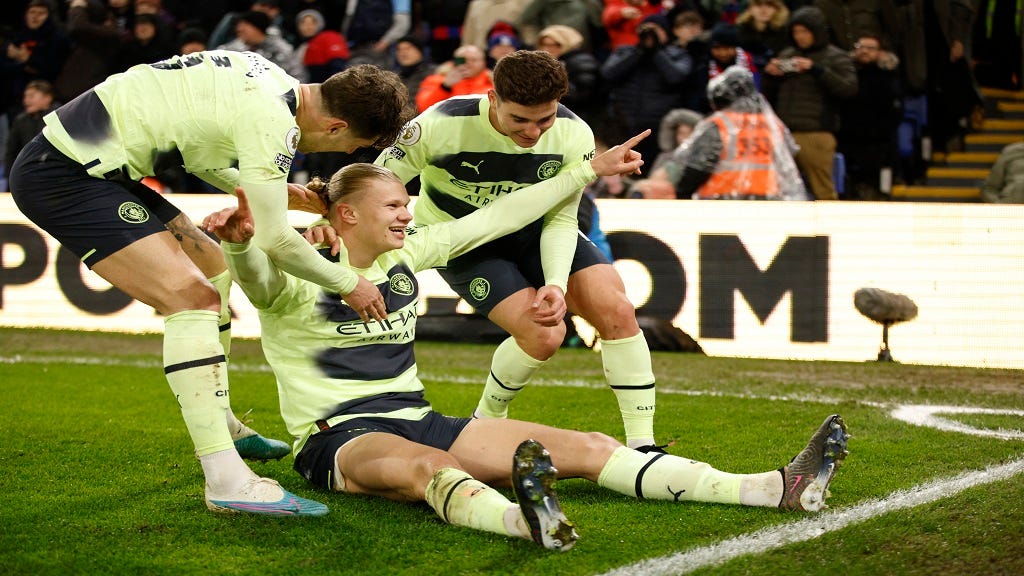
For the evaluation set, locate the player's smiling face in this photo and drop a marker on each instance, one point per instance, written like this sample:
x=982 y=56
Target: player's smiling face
x=523 y=124
x=383 y=213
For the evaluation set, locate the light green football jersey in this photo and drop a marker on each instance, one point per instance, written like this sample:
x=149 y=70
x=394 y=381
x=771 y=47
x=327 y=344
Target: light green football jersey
x=465 y=164
x=228 y=117
x=218 y=110
x=323 y=354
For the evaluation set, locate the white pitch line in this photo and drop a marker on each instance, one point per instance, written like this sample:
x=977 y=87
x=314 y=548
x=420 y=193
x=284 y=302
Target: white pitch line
x=810 y=528
x=925 y=415
x=760 y=541
x=427 y=376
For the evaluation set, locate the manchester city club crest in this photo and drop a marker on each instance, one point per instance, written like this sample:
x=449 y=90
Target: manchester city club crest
x=291 y=140
x=410 y=134
x=133 y=213
x=402 y=284
x=548 y=169
x=479 y=288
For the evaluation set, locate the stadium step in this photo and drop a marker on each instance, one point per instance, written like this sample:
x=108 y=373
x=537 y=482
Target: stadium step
x=990 y=142
x=936 y=193
x=1010 y=109
x=1000 y=125
x=1000 y=94
x=969 y=158
x=958 y=176
x=942 y=172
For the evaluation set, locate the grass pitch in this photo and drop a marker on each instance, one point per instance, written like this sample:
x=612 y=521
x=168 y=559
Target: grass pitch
x=97 y=473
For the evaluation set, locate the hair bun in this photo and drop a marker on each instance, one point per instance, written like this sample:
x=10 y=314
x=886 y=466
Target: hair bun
x=316 y=184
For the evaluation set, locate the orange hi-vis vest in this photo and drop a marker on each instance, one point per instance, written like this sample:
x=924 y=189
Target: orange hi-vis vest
x=745 y=168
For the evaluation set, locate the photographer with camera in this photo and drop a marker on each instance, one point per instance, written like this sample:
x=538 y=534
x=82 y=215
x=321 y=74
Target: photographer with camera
x=647 y=80
x=465 y=73
x=805 y=86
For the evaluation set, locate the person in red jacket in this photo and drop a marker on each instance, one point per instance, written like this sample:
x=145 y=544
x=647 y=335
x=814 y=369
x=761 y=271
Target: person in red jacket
x=467 y=73
x=621 y=17
x=323 y=51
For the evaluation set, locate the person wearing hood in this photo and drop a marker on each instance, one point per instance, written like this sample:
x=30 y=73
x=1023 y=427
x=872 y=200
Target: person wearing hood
x=35 y=51
x=742 y=151
x=806 y=84
x=252 y=34
x=676 y=128
x=149 y=43
x=585 y=96
x=322 y=52
x=762 y=30
x=95 y=40
x=411 y=64
x=646 y=81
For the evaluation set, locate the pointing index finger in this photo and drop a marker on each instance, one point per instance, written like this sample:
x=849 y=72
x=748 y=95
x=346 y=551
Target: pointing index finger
x=638 y=138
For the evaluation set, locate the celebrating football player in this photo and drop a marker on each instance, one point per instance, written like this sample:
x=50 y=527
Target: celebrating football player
x=468 y=152
x=350 y=392
x=230 y=118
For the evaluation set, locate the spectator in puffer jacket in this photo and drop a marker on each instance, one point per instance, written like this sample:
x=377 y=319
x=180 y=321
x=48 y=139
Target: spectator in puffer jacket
x=585 y=97
x=322 y=52
x=251 y=35
x=805 y=84
x=646 y=82
x=96 y=40
x=1005 y=184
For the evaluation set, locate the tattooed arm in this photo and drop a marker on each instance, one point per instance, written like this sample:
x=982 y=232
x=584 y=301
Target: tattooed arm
x=200 y=248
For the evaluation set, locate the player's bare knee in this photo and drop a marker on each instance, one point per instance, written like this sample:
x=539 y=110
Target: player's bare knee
x=540 y=342
x=553 y=338
x=615 y=319
x=600 y=443
x=197 y=294
x=591 y=448
x=425 y=465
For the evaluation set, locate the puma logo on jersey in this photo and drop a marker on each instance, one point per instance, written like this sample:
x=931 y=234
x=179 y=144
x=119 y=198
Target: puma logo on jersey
x=475 y=167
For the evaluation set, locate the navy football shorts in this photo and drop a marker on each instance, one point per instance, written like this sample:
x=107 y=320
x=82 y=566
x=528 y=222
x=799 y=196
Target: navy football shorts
x=316 y=460
x=485 y=276
x=90 y=216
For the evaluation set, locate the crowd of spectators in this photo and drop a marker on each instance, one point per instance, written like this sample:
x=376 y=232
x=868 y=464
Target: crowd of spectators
x=836 y=72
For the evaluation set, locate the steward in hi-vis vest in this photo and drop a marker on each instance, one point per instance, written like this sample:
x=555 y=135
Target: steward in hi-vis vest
x=742 y=151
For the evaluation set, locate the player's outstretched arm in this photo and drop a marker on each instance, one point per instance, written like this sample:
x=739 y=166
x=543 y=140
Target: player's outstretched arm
x=513 y=211
x=250 y=267
x=291 y=253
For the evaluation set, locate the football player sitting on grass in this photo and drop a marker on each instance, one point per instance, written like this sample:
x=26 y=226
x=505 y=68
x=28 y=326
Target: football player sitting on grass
x=349 y=389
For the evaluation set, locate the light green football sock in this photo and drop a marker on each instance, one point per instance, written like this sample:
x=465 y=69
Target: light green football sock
x=462 y=500
x=511 y=370
x=627 y=368
x=196 y=370
x=667 y=477
x=222 y=282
